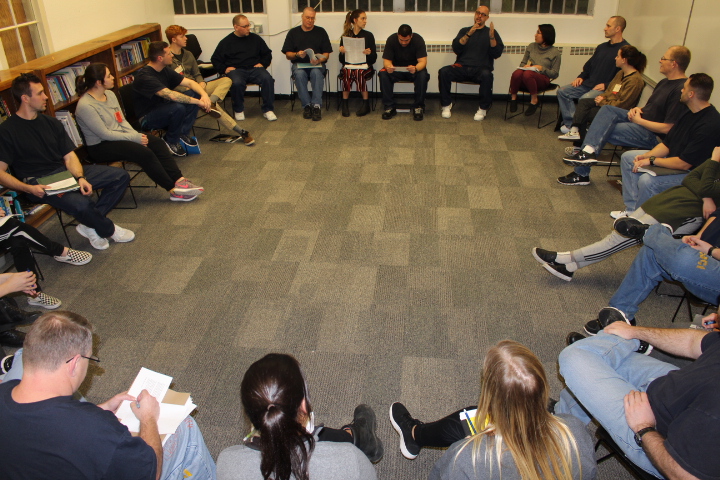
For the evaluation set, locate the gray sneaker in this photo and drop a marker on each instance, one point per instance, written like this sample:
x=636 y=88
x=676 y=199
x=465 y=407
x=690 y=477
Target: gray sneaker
x=364 y=429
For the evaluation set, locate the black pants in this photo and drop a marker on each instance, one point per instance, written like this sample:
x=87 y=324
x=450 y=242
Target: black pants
x=20 y=237
x=459 y=73
x=388 y=80
x=155 y=159
x=441 y=433
x=334 y=435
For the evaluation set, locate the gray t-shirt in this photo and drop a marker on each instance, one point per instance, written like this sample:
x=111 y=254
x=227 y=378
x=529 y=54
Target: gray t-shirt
x=450 y=468
x=329 y=461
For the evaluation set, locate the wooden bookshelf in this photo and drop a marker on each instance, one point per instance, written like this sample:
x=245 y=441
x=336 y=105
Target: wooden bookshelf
x=101 y=49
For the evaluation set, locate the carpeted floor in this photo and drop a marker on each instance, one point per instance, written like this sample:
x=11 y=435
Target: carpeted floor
x=387 y=256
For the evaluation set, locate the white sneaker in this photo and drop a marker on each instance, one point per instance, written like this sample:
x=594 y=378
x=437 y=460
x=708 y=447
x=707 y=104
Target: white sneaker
x=45 y=301
x=122 y=235
x=239 y=116
x=96 y=240
x=480 y=114
x=564 y=129
x=569 y=136
x=446 y=111
x=619 y=213
x=270 y=116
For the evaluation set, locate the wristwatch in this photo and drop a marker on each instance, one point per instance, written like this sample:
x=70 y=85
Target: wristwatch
x=640 y=433
x=710 y=250
x=652 y=160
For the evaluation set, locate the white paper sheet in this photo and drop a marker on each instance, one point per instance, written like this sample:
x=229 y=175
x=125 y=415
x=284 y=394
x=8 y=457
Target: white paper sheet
x=354 y=50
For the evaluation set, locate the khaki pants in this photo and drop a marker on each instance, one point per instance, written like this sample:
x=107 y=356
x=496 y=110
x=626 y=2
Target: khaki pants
x=220 y=89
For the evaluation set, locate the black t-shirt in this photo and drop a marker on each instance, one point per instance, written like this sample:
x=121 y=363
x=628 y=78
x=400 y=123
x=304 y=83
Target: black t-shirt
x=664 y=104
x=298 y=39
x=686 y=404
x=712 y=233
x=34 y=148
x=64 y=438
x=148 y=82
x=403 y=56
x=694 y=136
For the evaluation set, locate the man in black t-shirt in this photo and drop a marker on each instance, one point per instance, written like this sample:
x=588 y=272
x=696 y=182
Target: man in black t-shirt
x=34 y=145
x=159 y=106
x=476 y=48
x=404 y=59
x=47 y=433
x=298 y=42
x=662 y=417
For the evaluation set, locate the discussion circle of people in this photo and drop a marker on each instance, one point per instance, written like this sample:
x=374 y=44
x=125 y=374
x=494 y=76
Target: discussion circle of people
x=660 y=416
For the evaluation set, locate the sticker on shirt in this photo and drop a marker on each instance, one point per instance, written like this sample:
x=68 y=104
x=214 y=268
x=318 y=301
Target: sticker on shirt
x=616 y=88
x=179 y=69
x=118 y=117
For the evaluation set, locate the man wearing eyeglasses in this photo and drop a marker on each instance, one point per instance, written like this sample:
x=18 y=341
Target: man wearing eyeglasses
x=46 y=433
x=476 y=48
x=244 y=57
x=638 y=127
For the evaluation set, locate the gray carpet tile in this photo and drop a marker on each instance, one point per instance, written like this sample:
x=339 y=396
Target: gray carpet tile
x=387 y=256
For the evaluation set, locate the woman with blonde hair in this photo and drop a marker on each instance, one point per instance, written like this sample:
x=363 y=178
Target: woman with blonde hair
x=354 y=27
x=511 y=436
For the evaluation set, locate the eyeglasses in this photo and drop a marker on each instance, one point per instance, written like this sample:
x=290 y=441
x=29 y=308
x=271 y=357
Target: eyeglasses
x=91 y=358
x=483 y=14
x=663 y=59
x=244 y=26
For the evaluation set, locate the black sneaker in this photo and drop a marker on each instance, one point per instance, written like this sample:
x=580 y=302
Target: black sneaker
x=175 y=148
x=403 y=423
x=544 y=256
x=581 y=159
x=316 y=113
x=364 y=427
x=559 y=270
x=418 y=114
x=189 y=141
x=389 y=113
x=513 y=106
x=573 y=337
x=606 y=316
x=6 y=364
x=630 y=227
x=307 y=112
x=532 y=108
x=573 y=178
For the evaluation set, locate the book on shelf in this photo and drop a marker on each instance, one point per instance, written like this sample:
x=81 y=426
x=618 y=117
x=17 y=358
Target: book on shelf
x=11 y=206
x=62 y=82
x=68 y=121
x=131 y=53
x=126 y=80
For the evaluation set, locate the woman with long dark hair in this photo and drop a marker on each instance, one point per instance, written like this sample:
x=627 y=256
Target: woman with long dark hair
x=354 y=27
x=539 y=67
x=110 y=138
x=284 y=443
x=513 y=435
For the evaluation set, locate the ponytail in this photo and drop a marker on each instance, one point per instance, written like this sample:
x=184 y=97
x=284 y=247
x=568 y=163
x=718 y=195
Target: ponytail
x=349 y=19
x=93 y=73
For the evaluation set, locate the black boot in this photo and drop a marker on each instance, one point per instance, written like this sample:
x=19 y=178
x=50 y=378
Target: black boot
x=364 y=110
x=345 y=108
x=10 y=313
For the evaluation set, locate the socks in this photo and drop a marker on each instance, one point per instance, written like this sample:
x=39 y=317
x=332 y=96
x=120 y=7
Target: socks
x=574 y=130
x=588 y=149
x=563 y=257
x=237 y=129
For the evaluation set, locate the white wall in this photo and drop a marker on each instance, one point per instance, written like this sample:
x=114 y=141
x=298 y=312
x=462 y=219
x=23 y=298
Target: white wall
x=69 y=22
x=434 y=27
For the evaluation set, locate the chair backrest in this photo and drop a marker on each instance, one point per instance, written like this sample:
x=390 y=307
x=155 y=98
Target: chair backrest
x=193 y=46
x=127 y=98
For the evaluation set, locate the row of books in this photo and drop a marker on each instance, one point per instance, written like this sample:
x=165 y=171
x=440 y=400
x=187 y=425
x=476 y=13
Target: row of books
x=62 y=82
x=5 y=111
x=11 y=206
x=131 y=53
x=126 y=80
x=68 y=121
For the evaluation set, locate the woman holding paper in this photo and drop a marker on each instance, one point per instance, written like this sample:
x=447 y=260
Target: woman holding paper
x=110 y=138
x=510 y=434
x=539 y=67
x=354 y=27
x=284 y=442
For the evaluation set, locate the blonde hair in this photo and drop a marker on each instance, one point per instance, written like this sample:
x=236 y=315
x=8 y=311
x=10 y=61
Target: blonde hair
x=512 y=415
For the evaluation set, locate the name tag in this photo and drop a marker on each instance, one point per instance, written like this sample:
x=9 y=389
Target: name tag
x=118 y=117
x=616 y=88
x=179 y=69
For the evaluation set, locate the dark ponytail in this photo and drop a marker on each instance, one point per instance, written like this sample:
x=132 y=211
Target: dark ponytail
x=272 y=391
x=93 y=73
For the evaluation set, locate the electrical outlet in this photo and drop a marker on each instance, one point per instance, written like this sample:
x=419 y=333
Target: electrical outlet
x=258 y=28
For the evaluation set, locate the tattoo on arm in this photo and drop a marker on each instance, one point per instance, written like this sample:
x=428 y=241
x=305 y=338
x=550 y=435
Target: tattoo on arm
x=174 y=96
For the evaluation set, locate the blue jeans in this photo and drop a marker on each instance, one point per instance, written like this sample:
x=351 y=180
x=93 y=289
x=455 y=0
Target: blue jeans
x=184 y=450
x=566 y=99
x=241 y=77
x=637 y=188
x=599 y=371
x=112 y=181
x=177 y=118
x=612 y=125
x=387 y=81
x=664 y=258
x=317 y=79
x=452 y=73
